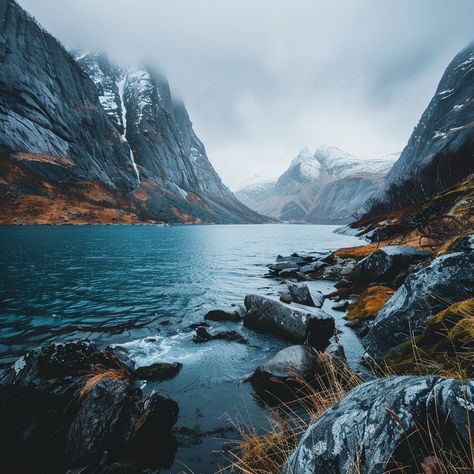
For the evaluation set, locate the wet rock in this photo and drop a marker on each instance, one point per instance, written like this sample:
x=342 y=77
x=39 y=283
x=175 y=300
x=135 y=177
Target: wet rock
x=98 y=424
x=289 y=272
x=340 y=269
x=69 y=405
x=385 y=422
x=158 y=371
x=300 y=294
x=387 y=263
x=123 y=355
x=341 y=306
x=336 y=350
x=202 y=335
x=281 y=377
x=448 y=279
x=360 y=327
x=158 y=415
x=221 y=315
x=285 y=297
x=343 y=284
x=313 y=267
x=293 y=372
x=284 y=265
x=294 y=322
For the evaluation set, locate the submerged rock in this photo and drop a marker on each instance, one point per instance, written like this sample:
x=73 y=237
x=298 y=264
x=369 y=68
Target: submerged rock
x=221 y=315
x=158 y=371
x=202 y=335
x=385 y=422
x=70 y=405
x=449 y=278
x=387 y=263
x=294 y=322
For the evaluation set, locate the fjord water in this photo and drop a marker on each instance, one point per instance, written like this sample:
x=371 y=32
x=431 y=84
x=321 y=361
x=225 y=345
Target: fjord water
x=141 y=287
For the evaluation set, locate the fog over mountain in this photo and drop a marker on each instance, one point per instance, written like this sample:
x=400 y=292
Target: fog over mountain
x=262 y=78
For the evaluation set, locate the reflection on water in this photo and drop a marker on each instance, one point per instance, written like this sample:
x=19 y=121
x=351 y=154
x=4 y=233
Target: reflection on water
x=142 y=287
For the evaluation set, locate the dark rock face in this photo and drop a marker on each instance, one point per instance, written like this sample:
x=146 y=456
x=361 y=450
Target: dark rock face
x=373 y=425
x=384 y=265
x=48 y=107
x=449 y=278
x=440 y=152
x=202 y=335
x=92 y=135
x=294 y=322
x=221 y=315
x=158 y=371
x=71 y=405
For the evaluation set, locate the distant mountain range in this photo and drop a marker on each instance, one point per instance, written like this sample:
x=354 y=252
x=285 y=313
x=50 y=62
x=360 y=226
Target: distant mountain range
x=328 y=186
x=83 y=140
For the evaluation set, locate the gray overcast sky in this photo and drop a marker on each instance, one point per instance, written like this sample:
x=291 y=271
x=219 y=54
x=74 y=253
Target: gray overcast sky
x=263 y=78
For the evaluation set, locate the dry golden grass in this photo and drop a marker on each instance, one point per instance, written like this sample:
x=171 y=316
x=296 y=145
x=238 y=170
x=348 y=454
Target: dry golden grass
x=266 y=453
x=99 y=373
x=358 y=252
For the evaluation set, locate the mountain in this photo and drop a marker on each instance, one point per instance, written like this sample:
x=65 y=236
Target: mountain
x=329 y=186
x=440 y=151
x=83 y=140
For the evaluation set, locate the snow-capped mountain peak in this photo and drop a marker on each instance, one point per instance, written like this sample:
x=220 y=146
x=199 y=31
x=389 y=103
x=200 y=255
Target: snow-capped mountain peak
x=305 y=167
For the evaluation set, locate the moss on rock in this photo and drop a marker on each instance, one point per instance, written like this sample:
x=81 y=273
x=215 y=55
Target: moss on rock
x=446 y=346
x=369 y=303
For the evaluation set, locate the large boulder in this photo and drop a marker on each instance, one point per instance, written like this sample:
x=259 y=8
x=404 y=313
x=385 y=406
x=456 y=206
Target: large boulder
x=386 y=423
x=294 y=322
x=71 y=405
x=294 y=371
x=299 y=293
x=387 y=263
x=449 y=278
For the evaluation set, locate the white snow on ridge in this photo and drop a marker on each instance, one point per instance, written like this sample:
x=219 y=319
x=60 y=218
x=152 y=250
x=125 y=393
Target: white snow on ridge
x=309 y=168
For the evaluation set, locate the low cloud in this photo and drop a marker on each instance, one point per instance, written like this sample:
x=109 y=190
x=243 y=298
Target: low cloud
x=263 y=79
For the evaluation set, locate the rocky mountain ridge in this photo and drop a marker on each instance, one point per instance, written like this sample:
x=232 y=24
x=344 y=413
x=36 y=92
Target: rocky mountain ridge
x=440 y=151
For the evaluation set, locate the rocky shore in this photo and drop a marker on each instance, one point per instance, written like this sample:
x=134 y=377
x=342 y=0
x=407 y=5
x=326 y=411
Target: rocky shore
x=73 y=407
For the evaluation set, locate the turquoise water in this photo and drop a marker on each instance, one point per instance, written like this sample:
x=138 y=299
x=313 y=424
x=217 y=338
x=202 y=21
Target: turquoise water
x=141 y=287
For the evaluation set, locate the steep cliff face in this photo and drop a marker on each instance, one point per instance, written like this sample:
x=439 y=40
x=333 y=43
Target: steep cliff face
x=440 y=151
x=84 y=140
x=51 y=120
x=329 y=186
